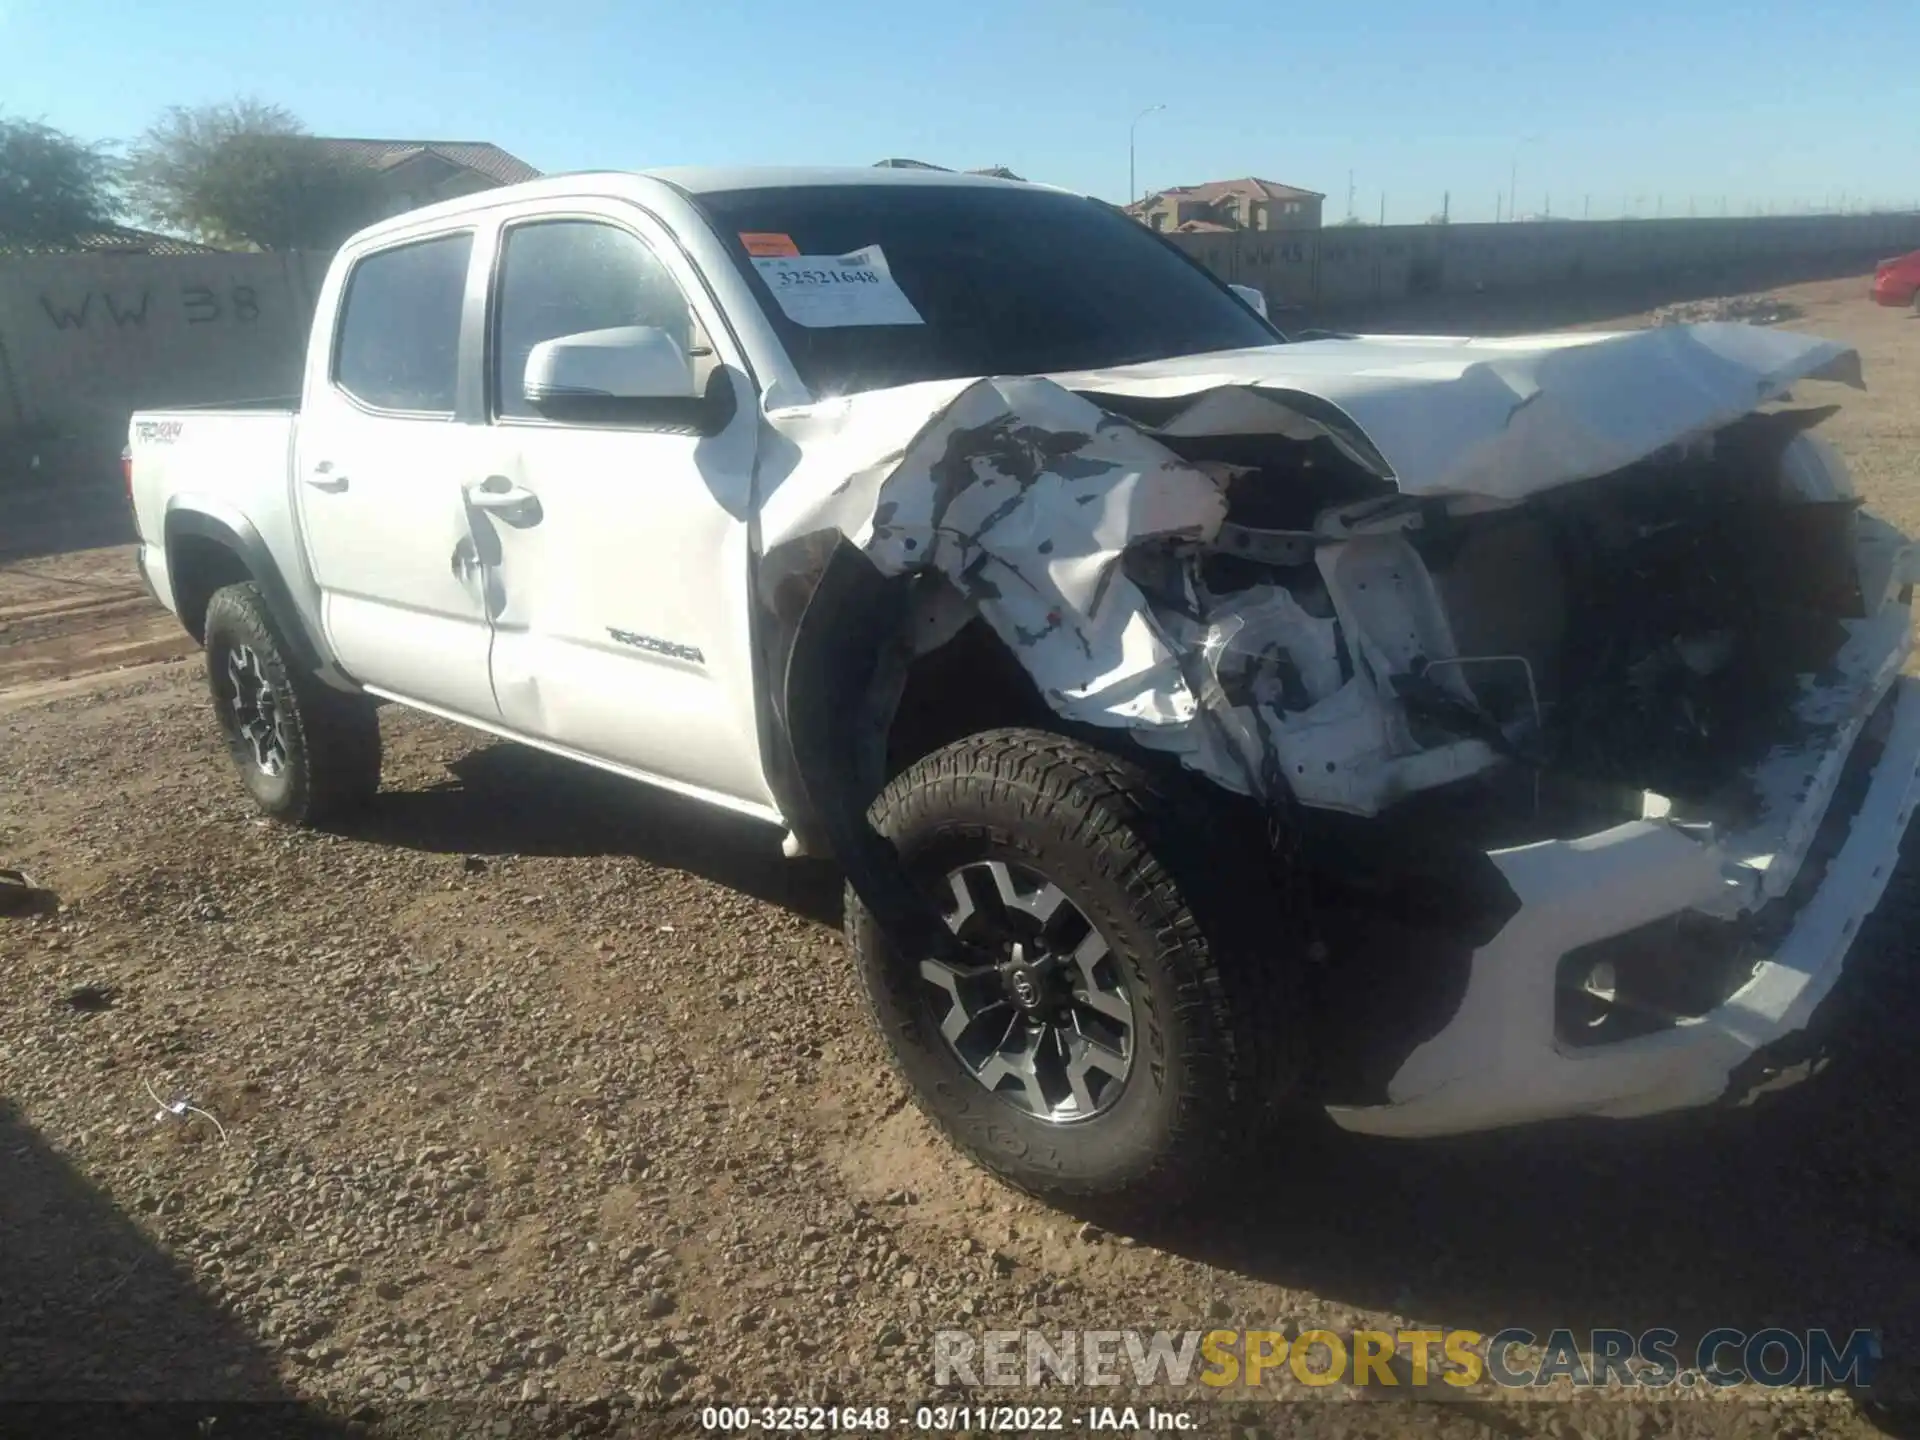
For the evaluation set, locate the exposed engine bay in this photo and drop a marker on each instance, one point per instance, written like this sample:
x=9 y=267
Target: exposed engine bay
x=1653 y=630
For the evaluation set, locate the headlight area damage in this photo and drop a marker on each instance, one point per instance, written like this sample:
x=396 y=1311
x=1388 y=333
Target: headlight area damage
x=1586 y=629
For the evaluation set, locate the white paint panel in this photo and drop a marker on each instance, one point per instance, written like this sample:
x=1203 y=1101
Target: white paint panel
x=622 y=629
x=393 y=552
x=621 y=600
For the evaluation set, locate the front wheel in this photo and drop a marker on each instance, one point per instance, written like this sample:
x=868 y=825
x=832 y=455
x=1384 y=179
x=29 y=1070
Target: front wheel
x=1136 y=1022
x=306 y=753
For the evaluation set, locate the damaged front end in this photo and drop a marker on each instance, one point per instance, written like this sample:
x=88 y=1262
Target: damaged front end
x=1582 y=633
x=1689 y=672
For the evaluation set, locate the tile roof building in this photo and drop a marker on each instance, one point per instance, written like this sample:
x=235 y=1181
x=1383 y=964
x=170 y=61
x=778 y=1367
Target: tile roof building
x=1246 y=204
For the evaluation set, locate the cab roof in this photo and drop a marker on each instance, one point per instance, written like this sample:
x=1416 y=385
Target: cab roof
x=703 y=179
x=691 y=180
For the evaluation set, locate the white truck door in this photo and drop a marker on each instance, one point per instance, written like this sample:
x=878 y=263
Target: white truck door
x=379 y=472
x=621 y=628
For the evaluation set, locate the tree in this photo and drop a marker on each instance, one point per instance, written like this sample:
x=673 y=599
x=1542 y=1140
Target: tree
x=52 y=187
x=247 y=173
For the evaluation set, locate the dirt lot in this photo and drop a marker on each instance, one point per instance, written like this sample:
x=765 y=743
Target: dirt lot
x=66 y=616
x=554 y=1097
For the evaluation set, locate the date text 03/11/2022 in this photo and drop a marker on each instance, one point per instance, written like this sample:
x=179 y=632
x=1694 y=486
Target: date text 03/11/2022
x=940 y=1419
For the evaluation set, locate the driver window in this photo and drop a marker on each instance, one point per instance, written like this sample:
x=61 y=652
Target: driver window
x=562 y=277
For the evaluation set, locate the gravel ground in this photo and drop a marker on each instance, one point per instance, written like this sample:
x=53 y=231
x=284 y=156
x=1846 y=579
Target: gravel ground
x=552 y=1098
x=65 y=615
x=1752 y=309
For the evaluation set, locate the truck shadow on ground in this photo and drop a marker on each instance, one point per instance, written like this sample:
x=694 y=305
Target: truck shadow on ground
x=91 y=1310
x=1797 y=1211
x=507 y=799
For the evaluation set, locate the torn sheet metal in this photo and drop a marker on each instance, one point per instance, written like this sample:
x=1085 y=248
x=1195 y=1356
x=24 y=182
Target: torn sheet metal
x=1026 y=494
x=1025 y=497
x=1286 y=715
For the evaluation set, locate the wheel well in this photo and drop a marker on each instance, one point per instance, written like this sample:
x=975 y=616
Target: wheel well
x=197 y=566
x=970 y=684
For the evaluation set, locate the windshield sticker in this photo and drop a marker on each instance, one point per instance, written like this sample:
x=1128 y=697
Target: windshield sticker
x=768 y=243
x=825 y=291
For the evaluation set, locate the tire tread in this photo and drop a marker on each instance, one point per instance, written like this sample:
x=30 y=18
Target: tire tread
x=1162 y=844
x=335 y=736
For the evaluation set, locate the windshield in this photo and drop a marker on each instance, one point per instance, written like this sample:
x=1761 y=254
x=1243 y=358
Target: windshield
x=1001 y=281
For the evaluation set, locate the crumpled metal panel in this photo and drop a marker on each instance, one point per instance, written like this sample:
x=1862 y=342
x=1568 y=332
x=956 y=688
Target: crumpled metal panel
x=1025 y=497
x=1502 y=418
x=1026 y=494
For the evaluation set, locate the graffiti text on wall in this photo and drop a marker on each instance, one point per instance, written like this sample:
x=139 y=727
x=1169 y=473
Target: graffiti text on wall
x=199 y=305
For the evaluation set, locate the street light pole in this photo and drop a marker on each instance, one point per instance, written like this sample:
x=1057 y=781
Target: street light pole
x=1132 y=193
x=1513 y=178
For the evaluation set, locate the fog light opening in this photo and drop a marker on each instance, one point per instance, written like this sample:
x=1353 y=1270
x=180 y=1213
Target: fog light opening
x=1603 y=984
x=1589 y=999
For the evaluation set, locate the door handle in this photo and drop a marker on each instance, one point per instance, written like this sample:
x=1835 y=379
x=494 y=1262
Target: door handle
x=498 y=495
x=324 y=478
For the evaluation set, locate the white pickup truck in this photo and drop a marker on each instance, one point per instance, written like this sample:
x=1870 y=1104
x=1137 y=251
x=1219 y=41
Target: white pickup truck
x=1444 y=733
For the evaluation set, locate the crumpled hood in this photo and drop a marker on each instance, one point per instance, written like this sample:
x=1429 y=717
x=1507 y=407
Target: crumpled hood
x=1497 y=417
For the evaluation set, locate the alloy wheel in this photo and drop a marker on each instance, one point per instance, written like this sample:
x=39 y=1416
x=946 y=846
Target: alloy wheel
x=256 y=710
x=1049 y=1025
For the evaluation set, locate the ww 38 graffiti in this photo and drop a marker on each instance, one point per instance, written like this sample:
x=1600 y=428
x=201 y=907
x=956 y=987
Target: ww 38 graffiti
x=199 y=305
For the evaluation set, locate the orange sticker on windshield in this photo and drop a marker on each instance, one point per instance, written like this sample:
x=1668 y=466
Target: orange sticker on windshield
x=767 y=243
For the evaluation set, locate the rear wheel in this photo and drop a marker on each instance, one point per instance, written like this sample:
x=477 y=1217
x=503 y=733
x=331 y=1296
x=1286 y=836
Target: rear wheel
x=305 y=752
x=1133 y=1021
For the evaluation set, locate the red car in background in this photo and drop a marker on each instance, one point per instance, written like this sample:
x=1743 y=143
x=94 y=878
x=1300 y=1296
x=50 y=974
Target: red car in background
x=1897 y=282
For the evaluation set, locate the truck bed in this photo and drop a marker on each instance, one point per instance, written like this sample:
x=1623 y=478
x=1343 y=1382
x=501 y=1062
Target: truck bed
x=233 y=460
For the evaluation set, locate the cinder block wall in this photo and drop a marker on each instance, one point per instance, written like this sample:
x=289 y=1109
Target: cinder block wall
x=1347 y=265
x=87 y=339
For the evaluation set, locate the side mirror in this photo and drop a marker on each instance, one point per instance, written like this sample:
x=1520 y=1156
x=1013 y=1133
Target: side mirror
x=1254 y=299
x=628 y=362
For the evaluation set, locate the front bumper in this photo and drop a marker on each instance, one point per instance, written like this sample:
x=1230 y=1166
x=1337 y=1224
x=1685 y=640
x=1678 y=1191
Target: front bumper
x=1502 y=1058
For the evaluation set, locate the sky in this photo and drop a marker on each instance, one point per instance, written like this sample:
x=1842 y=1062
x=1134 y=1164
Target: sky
x=1597 y=109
